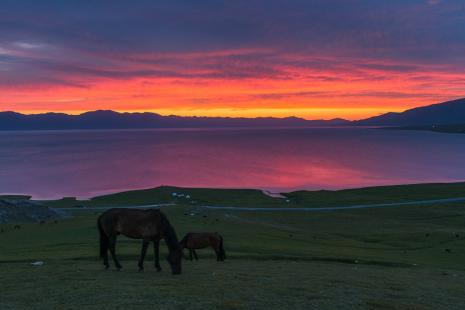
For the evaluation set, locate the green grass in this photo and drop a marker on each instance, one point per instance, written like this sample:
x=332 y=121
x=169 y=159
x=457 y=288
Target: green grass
x=390 y=258
x=162 y=194
x=232 y=285
x=256 y=198
x=379 y=194
x=14 y=197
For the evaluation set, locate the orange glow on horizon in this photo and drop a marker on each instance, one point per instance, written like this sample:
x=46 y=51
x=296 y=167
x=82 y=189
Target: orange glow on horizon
x=347 y=92
x=315 y=113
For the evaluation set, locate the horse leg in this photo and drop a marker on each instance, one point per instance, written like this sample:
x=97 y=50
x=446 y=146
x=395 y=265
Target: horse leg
x=217 y=252
x=190 y=254
x=104 y=250
x=145 y=245
x=195 y=254
x=156 y=249
x=105 y=259
x=104 y=243
x=112 y=244
x=221 y=248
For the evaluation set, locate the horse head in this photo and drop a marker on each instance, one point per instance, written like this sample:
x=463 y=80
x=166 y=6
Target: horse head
x=174 y=259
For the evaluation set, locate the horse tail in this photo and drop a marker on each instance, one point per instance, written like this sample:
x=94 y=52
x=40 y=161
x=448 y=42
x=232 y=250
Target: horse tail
x=104 y=242
x=222 y=252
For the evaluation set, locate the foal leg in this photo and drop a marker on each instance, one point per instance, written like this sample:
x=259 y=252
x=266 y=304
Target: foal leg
x=145 y=245
x=156 y=249
x=190 y=254
x=112 y=244
x=195 y=255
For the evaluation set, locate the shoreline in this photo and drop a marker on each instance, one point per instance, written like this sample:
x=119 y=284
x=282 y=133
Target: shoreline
x=256 y=199
x=269 y=193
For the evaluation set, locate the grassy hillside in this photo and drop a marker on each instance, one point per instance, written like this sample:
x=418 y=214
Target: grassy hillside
x=256 y=198
x=379 y=194
x=163 y=194
x=456 y=128
x=355 y=259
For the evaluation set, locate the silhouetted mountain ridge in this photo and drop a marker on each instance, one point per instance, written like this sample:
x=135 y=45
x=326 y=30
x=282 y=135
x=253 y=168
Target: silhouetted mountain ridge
x=445 y=113
x=107 y=119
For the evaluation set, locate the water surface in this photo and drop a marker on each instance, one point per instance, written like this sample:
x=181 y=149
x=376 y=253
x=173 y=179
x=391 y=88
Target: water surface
x=50 y=164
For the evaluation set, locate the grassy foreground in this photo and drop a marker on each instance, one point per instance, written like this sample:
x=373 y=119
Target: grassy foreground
x=410 y=257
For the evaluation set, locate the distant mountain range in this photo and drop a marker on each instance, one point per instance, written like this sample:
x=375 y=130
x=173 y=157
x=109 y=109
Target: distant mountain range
x=115 y=120
x=446 y=113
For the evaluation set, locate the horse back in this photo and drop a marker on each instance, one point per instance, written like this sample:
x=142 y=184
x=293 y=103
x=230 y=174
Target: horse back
x=200 y=240
x=133 y=223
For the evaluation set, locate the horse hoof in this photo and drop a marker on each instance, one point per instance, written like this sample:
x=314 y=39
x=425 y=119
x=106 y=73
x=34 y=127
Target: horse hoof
x=106 y=267
x=158 y=269
x=118 y=268
x=141 y=269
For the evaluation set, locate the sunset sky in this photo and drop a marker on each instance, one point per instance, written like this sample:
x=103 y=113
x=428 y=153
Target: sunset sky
x=310 y=58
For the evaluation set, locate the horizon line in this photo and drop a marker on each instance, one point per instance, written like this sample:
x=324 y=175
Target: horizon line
x=79 y=112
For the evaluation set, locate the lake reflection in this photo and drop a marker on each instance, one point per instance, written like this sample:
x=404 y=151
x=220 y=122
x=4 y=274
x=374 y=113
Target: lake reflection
x=51 y=164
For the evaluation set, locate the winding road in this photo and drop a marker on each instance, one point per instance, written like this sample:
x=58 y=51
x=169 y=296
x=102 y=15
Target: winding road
x=302 y=209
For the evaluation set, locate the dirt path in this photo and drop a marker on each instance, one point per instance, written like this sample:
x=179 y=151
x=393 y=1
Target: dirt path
x=290 y=209
x=319 y=209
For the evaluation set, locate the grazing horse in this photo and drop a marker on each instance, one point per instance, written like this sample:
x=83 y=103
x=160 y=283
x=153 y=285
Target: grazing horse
x=148 y=225
x=193 y=241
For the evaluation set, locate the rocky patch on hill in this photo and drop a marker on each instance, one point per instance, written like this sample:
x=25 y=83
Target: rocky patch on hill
x=25 y=211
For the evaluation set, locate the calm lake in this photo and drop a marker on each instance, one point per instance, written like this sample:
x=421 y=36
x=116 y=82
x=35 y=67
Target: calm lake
x=51 y=164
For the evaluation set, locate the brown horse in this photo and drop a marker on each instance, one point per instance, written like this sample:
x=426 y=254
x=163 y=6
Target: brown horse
x=193 y=241
x=148 y=225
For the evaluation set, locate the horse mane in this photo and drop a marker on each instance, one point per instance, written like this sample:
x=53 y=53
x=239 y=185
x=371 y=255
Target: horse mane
x=168 y=231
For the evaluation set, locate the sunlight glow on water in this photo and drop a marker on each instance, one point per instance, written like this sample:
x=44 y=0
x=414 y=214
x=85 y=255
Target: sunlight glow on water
x=50 y=164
